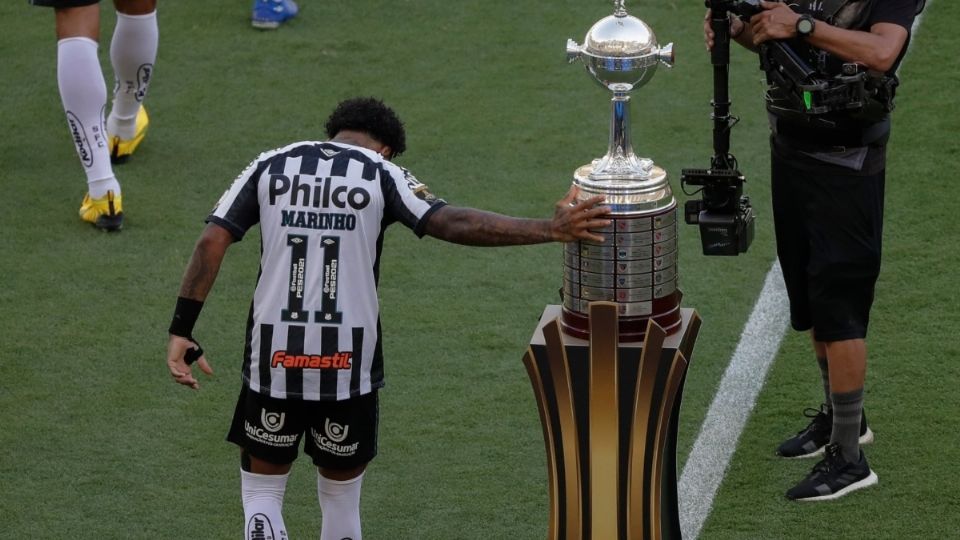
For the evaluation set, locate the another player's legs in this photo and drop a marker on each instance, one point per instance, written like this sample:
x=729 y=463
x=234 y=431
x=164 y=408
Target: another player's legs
x=133 y=51
x=270 y=14
x=84 y=96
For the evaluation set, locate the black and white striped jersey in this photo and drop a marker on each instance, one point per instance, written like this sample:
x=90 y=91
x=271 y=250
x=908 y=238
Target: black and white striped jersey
x=313 y=331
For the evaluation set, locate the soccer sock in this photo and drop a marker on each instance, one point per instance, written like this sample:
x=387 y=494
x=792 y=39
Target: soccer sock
x=98 y=188
x=340 y=506
x=262 y=505
x=133 y=50
x=84 y=96
x=825 y=375
x=847 y=409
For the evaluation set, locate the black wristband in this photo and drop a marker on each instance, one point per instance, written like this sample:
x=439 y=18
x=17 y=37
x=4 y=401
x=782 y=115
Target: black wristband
x=185 y=317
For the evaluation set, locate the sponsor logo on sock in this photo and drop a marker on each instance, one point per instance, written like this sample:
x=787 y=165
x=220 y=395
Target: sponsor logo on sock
x=272 y=421
x=80 y=139
x=143 y=81
x=259 y=528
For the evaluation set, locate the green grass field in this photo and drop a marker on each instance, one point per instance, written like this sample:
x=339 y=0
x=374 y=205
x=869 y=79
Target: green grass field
x=96 y=441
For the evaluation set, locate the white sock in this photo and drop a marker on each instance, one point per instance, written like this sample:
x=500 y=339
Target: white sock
x=84 y=96
x=262 y=505
x=340 y=506
x=133 y=50
x=98 y=188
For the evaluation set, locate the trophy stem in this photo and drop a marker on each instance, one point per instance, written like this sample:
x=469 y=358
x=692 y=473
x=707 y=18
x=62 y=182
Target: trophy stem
x=620 y=144
x=620 y=162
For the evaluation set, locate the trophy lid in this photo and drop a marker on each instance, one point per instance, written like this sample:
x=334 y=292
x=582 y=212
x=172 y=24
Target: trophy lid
x=620 y=51
x=620 y=36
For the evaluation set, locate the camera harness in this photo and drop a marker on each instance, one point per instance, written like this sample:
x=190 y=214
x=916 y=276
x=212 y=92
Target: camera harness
x=813 y=90
x=813 y=96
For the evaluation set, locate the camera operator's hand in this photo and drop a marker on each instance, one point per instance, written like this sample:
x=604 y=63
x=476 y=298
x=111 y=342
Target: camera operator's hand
x=777 y=21
x=736 y=29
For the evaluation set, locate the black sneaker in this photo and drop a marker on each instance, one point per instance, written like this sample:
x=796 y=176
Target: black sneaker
x=810 y=441
x=833 y=477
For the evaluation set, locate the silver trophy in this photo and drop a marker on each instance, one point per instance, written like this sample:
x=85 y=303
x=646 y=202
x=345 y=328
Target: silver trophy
x=637 y=264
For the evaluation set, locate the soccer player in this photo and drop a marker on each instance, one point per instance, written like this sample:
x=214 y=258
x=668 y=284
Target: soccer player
x=313 y=360
x=83 y=91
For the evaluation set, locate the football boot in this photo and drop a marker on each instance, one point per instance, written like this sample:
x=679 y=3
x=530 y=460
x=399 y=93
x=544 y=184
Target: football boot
x=105 y=213
x=121 y=149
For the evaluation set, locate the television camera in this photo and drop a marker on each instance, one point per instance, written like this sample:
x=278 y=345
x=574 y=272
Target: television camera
x=723 y=212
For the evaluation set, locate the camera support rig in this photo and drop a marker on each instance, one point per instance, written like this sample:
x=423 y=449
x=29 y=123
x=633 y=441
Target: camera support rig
x=723 y=213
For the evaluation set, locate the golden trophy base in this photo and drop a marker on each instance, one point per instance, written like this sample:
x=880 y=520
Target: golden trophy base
x=609 y=414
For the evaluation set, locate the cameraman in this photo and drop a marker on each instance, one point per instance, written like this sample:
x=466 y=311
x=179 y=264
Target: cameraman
x=827 y=175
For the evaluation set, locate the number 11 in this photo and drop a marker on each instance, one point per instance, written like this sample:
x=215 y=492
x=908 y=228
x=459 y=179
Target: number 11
x=329 y=280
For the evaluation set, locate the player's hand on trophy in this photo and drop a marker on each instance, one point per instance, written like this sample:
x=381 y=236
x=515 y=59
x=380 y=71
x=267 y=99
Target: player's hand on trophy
x=573 y=219
x=777 y=21
x=181 y=353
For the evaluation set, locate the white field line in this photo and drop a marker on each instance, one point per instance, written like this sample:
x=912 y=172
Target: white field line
x=736 y=396
x=739 y=387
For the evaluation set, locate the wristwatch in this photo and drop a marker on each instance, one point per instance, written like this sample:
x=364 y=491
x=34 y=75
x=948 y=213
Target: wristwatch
x=805 y=25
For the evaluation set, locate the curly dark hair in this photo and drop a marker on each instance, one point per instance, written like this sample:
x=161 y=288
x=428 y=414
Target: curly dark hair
x=369 y=115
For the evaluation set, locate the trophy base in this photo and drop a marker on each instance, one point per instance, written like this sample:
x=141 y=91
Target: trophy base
x=666 y=313
x=610 y=418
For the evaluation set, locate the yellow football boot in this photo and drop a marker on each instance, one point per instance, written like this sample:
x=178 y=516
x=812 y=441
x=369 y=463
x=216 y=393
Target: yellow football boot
x=105 y=213
x=120 y=149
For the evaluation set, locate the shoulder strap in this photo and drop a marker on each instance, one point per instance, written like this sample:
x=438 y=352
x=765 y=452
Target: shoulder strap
x=832 y=7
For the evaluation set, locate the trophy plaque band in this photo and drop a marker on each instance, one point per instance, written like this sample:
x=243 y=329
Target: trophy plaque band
x=636 y=267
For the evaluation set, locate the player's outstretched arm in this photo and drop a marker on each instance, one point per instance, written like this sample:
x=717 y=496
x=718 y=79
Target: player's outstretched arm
x=201 y=273
x=571 y=221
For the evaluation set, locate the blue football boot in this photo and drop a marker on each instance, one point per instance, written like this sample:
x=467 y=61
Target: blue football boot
x=270 y=14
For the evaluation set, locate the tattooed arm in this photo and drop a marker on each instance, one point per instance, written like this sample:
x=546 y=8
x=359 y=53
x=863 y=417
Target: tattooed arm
x=197 y=281
x=204 y=265
x=571 y=221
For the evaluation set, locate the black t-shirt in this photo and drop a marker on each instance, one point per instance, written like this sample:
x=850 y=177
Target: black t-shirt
x=856 y=15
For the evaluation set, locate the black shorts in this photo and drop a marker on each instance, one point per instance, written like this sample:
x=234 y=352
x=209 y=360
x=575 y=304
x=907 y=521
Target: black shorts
x=829 y=227
x=64 y=3
x=339 y=434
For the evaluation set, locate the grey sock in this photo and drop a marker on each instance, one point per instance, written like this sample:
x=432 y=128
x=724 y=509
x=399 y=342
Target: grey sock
x=847 y=410
x=825 y=375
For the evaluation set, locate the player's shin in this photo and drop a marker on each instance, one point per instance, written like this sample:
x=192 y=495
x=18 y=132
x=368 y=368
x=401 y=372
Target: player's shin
x=84 y=95
x=340 y=506
x=262 y=505
x=133 y=51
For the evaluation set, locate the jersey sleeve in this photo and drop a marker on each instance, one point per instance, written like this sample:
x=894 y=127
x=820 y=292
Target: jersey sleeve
x=239 y=208
x=406 y=199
